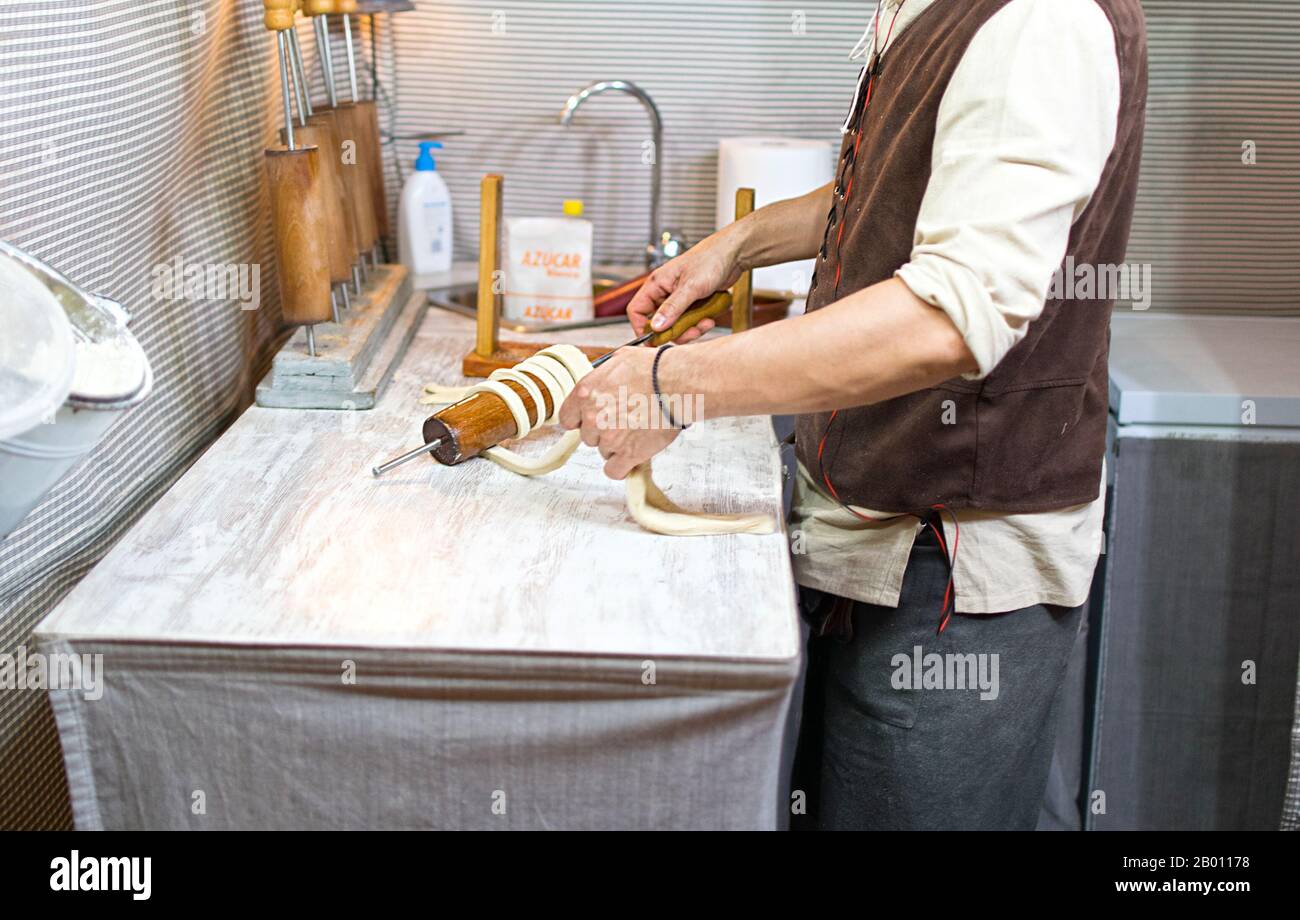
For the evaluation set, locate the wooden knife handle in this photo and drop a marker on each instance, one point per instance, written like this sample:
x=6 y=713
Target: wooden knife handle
x=708 y=308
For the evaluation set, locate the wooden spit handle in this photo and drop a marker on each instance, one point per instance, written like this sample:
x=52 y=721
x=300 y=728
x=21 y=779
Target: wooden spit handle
x=352 y=127
x=362 y=124
x=483 y=420
x=708 y=308
x=374 y=155
x=278 y=14
x=370 y=159
x=298 y=218
x=337 y=227
x=351 y=223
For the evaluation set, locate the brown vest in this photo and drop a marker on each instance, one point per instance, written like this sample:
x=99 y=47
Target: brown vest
x=1031 y=435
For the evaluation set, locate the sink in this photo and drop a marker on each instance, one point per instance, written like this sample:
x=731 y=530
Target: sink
x=463 y=299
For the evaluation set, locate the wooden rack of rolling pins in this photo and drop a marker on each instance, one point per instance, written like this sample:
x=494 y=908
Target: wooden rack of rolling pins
x=328 y=214
x=483 y=420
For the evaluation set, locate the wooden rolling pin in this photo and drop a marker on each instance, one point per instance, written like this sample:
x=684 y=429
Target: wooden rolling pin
x=466 y=429
x=368 y=144
x=350 y=226
x=299 y=215
x=318 y=129
x=338 y=224
x=350 y=127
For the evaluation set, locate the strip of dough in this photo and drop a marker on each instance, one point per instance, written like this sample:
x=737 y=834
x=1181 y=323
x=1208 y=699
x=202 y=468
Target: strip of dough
x=555 y=456
x=559 y=368
x=554 y=376
x=530 y=387
x=438 y=395
x=656 y=512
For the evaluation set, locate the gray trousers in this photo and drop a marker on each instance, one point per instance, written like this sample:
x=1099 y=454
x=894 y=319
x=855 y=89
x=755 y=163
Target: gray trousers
x=890 y=740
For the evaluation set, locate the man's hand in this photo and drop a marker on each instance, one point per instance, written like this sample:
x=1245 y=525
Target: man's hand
x=709 y=266
x=615 y=408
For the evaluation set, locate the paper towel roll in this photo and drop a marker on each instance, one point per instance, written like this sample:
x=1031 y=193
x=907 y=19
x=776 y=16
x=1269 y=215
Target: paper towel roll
x=775 y=168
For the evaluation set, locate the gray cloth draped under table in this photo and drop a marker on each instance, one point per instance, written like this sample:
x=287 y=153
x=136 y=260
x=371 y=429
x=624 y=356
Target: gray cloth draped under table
x=271 y=738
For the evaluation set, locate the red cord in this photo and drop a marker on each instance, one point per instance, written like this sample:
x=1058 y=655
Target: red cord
x=949 y=594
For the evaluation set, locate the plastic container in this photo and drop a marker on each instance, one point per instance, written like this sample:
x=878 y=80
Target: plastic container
x=548 y=268
x=70 y=371
x=424 y=229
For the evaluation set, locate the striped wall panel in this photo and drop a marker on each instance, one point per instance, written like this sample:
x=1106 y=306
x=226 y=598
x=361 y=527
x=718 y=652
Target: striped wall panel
x=501 y=70
x=1220 y=235
x=132 y=132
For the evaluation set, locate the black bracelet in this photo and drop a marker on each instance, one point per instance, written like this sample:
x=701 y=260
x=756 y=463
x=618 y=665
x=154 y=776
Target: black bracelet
x=664 y=407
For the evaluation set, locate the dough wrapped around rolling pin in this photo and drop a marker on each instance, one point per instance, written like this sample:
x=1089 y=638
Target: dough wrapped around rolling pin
x=559 y=368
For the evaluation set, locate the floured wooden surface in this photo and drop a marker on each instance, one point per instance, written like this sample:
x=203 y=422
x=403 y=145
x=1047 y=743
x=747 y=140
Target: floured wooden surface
x=280 y=535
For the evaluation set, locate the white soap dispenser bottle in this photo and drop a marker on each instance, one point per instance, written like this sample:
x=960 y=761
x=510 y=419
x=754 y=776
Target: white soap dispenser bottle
x=424 y=229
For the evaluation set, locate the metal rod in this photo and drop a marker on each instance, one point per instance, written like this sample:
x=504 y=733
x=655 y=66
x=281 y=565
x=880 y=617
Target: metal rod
x=326 y=61
x=352 y=61
x=311 y=341
x=381 y=470
x=374 y=58
x=334 y=304
x=347 y=301
x=639 y=340
x=299 y=90
x=300 y=70
x=356 y=280
x=281 y=41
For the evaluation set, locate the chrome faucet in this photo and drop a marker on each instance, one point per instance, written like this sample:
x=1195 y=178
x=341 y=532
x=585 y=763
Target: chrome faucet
x=664 y=243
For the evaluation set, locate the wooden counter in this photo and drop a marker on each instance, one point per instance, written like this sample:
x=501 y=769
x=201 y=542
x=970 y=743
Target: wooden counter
x=279 y=534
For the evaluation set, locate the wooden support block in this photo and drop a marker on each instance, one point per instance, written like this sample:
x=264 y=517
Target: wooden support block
x=489 y=252
x=357 y=357
x=508 y=354
x=489 y=354
x=742 y=292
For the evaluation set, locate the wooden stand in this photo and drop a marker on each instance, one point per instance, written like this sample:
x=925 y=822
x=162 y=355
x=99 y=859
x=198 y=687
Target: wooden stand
x=356 y=358
x=489 y=352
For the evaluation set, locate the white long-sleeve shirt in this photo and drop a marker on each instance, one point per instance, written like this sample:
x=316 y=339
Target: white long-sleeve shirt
x=1023 y=134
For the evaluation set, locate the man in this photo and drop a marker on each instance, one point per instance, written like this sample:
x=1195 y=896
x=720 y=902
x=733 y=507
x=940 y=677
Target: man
x=951 y=403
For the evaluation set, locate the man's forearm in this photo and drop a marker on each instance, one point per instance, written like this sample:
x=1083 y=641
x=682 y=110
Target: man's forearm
x=873 y=345
x=784 y=231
